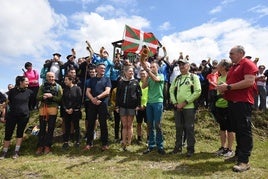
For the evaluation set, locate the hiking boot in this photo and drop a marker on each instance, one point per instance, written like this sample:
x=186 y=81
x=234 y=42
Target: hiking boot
x=176 y=150
x=124 y=147
x=47 y=150
x=65 y=146
x=231 y=159
x=77 y=145
x=161 y=151
x=87 y=147
x=105 y=147
x=39 y=150
x=3 y=155
x=16 y=155
x=117 y=140
x=220 y=151
x=241 y=167
x=227 y=153
x=189 y=154
x=148 y=150
x=139 y=141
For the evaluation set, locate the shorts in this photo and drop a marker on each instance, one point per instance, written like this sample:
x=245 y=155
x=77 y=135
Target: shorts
x=127 y=112
x=222 y=118
x=141 y=116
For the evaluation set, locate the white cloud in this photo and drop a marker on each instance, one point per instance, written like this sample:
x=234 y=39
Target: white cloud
x=165 y=26
x=110 y=11
x=100 y=31
x=215 y=10
x=219 y=8
x=104 y=8
x=214 y=39
x=28 y=28
x=262 y=10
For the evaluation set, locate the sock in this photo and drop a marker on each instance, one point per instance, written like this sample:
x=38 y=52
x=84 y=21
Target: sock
x=5 y=149
x=17 y=148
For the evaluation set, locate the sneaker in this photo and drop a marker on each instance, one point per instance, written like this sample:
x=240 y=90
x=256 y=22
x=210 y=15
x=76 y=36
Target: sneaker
x=241 y=167
x=220 y=151
x=105 y=147
x=231 y=159
x=161 y=151
x=227 y=153
x=148 y=150
x=47 y=150
x=16 y=155
x=176 y=150
x=65 y=146
x=39 y=150
x=3 y=155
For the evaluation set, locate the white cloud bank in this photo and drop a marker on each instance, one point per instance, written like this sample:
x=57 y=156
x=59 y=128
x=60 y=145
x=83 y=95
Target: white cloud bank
x=26 y=27
x=32 y=28
x=214 y=39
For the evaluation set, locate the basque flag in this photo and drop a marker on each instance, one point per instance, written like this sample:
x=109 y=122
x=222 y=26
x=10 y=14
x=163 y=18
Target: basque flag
x=134 y=39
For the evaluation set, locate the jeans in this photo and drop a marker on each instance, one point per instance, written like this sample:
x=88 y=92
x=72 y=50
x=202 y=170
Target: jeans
x=154 y=115
x=262 y=96
x=184 y=120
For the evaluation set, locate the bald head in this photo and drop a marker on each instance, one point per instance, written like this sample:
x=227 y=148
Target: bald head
x=50 y=76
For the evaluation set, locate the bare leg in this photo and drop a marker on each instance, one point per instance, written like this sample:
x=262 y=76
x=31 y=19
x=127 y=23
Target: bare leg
x=223 y=137
x=124 y=130
x=129 y=129
x=231 y=137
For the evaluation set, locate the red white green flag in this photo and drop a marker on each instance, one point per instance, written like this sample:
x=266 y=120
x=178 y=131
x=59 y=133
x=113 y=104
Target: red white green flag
x=134 y=39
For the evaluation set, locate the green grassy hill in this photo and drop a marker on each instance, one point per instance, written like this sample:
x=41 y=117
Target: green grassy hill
x=116 y=163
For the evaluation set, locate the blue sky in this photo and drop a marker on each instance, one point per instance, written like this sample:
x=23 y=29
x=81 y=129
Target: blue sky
x=33 y=30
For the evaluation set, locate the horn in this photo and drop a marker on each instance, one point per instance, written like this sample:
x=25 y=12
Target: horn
x=73 y=52
x=165 y=52
x=89 y=48
x=144 y=54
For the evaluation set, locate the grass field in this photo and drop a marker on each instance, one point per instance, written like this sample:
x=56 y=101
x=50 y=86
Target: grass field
x=116 y=163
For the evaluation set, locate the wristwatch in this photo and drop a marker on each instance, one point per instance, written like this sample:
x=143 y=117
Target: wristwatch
x=229 y=87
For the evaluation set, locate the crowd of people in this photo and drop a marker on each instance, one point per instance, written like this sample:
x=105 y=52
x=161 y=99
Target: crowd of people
x=141 y=89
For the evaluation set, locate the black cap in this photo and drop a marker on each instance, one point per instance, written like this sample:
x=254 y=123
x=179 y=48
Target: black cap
x=69 y=56
x=57 y=54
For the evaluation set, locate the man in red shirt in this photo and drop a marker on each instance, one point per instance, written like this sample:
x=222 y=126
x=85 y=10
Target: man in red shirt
x=239 y=90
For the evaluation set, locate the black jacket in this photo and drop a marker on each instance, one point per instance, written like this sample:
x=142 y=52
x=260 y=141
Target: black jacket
x=128 y=94
x=18 y=102
x=71 y=98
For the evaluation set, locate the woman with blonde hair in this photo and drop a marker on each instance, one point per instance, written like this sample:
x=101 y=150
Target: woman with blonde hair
x=128 y=100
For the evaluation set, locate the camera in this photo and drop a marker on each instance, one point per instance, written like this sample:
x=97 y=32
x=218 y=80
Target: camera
x=50 y=88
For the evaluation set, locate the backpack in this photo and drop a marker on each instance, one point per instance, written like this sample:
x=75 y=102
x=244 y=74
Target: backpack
x=192 y=88
x=2 y=98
